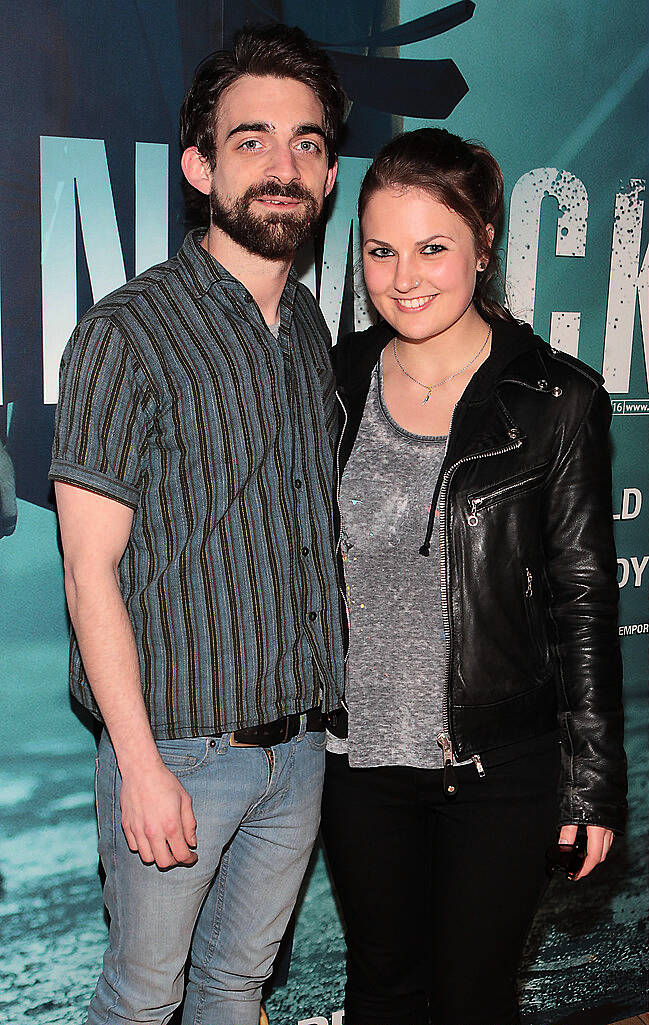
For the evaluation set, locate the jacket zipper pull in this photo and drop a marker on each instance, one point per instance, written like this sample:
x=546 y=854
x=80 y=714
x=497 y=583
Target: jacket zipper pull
x=472 y=518
x=450 y=784
x=528 y=593
x=477 y=761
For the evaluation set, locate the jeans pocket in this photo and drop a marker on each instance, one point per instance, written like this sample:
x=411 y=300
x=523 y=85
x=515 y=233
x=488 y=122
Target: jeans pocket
x=316 y=740
x=184 y=755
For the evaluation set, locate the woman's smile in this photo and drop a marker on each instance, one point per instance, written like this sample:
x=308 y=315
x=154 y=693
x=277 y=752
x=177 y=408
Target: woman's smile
x=415 y=304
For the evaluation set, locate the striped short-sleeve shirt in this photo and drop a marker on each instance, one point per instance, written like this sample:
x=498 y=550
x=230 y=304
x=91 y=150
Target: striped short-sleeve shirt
x=177 y=400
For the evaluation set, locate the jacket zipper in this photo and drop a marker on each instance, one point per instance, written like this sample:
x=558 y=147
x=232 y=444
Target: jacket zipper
x=533 y=626
x=476 y=503
x=340 y=533
x=449 y=779
x=446 y=743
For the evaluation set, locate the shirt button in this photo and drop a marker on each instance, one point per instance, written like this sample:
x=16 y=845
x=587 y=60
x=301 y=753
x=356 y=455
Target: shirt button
x=305 y=550
x=313 y=616
x=297 y=483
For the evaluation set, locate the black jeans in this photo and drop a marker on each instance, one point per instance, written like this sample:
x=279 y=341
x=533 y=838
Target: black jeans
x=438 y=894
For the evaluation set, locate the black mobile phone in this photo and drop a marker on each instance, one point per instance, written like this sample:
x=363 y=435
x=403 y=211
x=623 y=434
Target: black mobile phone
x=566 y=857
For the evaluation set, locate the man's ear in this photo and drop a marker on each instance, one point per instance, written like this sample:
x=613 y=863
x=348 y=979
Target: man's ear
x=331 y=178
x=196 y=169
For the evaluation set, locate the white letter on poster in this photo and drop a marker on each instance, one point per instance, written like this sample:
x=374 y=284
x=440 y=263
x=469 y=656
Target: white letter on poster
x=341 y=226
x=66 y=164
x=523 y=244
x=625 y=283
x=638 y=566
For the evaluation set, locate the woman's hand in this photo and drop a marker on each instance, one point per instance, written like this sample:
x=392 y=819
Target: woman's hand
x=597 y=847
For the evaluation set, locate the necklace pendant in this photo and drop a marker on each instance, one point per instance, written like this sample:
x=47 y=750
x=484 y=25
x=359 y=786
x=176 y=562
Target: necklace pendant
x=427 y=397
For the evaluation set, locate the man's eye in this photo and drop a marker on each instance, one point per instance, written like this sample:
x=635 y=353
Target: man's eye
x=308 y=146
x=250 y=144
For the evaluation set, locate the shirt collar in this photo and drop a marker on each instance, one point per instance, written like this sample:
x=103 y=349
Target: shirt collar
x=202 y=271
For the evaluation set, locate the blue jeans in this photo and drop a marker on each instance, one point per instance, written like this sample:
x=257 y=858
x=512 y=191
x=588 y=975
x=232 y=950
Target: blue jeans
x=258 y=812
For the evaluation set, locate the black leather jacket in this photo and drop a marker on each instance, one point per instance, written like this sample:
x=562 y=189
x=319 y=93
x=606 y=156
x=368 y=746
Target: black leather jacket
x=528 y=565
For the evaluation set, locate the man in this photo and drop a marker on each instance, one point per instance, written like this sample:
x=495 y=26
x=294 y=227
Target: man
x=194 y=467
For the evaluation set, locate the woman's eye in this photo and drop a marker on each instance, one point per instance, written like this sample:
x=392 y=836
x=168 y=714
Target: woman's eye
x=432 y=249
x=381 y=252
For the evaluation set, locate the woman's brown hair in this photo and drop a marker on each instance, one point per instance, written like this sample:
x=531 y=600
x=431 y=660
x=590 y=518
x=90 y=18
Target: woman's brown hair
x=466 y=178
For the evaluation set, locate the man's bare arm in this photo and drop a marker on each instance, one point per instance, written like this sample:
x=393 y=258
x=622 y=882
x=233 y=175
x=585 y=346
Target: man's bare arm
x=157 y=815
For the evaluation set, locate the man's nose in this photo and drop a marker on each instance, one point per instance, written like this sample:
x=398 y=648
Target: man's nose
x=283 y=166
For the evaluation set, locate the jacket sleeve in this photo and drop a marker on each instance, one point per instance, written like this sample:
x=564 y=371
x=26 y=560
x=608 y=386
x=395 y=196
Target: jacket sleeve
x=582 y=578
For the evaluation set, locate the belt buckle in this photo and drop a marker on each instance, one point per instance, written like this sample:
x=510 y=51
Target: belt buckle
x=239 y=743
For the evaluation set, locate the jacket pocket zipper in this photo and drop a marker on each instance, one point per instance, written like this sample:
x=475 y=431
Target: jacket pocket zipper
x=476 y=502
x=532 y=619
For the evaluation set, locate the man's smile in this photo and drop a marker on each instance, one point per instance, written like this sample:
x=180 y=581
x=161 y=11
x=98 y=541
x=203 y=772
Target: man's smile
x=283 y=201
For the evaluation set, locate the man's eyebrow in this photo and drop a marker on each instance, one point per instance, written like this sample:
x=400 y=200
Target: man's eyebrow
x=310 y=128
x=251 y=126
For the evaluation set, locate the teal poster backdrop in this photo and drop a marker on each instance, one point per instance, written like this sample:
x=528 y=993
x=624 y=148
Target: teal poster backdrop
x=90 y=195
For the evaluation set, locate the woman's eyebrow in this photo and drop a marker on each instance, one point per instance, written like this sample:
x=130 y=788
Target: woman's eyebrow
x=431 y=238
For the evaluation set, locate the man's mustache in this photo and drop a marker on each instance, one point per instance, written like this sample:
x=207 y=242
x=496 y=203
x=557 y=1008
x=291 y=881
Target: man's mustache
x=292 y=190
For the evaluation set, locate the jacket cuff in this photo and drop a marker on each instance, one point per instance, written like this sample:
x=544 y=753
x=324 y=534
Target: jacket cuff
x=574 y=812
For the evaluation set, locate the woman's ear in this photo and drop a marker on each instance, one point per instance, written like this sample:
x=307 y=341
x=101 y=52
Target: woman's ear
x=483 y=261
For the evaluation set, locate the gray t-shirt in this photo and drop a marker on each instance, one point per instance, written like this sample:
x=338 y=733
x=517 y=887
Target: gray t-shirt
x=395 y=674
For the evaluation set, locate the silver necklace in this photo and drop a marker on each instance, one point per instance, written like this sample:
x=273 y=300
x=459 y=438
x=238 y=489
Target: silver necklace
x=430 y=387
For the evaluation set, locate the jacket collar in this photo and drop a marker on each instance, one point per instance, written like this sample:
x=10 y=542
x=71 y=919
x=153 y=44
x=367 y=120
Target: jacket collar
x=516 y=358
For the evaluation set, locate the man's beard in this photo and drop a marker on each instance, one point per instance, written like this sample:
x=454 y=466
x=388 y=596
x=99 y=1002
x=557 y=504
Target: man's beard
x=277 y=236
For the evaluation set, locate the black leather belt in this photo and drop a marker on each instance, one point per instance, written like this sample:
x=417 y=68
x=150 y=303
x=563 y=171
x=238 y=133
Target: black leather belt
x=280 y=730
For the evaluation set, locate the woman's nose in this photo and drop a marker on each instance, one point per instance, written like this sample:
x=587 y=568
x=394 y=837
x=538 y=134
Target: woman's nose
x=405 y=277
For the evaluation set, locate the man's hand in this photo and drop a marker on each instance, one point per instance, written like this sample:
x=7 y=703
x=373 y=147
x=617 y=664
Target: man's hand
x=157 y=818
x=597 y=847
x=157 y=815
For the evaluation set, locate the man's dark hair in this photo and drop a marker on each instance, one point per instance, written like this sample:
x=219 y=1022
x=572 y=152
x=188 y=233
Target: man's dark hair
x=275 y=50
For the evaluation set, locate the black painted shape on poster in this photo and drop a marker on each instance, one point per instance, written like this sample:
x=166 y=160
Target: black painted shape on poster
x=423 y=88
x=429 y=25
x=415 y=88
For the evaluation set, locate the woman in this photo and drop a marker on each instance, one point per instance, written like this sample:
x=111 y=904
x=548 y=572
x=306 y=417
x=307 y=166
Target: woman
x=484 y=674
